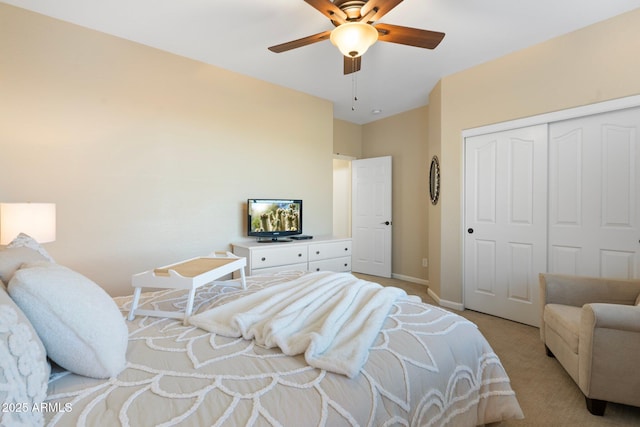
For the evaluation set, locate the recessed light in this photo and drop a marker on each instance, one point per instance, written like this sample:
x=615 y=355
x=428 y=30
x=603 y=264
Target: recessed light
x=376 y=111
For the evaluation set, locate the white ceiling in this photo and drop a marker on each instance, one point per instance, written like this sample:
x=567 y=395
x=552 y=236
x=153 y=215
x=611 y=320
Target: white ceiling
x=235 y=34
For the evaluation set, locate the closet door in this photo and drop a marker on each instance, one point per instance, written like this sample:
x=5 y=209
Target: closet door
x=594 y=180
x=505 y=222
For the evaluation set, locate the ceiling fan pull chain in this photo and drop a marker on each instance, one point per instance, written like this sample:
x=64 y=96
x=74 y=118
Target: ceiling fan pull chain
x=354 y=90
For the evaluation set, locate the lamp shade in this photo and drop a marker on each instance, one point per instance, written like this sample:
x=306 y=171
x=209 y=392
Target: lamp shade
x=38 y=220
x=354 y=38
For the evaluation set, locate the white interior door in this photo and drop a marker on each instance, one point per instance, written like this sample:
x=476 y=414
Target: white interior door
x=505 y=222
x=371 y=216
x=593 y=199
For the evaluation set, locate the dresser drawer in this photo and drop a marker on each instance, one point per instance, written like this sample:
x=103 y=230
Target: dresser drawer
x=271 y=257
x=319 y=251
x=333 y=264
x=289 y=267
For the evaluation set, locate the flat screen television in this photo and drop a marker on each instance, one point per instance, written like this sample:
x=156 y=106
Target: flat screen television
x=271 y=220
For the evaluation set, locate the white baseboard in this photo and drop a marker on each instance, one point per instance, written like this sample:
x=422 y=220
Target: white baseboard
x=433 y=295
x=441 y=302
x=410 y=279
x=450 y=304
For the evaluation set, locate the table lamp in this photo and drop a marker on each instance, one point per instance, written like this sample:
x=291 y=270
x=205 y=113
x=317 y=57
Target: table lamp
x=37 y=220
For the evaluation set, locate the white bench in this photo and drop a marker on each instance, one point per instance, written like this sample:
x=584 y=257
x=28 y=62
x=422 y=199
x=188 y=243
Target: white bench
x=189 y=274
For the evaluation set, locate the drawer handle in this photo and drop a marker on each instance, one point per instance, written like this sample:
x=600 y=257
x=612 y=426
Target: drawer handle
x=318 y=269
x=264 y=259
x=299 y=255
x=346 y=249
x=345 y=264
x=317 y=252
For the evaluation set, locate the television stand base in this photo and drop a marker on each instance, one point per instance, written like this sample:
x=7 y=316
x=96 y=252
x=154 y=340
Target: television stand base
x=272 y=240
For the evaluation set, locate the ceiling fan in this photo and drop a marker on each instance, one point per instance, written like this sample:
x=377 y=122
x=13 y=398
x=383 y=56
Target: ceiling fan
x=355 y=31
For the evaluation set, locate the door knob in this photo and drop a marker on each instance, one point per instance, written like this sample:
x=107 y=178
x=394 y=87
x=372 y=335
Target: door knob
x=385 y=223
x=470 y=230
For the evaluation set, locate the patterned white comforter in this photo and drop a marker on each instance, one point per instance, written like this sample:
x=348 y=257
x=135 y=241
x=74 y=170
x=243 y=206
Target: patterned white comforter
x=427 y=367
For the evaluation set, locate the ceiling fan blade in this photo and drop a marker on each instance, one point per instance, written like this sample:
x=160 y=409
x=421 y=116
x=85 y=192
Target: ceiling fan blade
x=409 y=36
x=382 y=6
x=328 y=9
x=352 y=65
x=300 y=42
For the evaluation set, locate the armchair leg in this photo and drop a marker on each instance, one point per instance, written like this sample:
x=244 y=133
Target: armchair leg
x=549 y=353
x=595 y=406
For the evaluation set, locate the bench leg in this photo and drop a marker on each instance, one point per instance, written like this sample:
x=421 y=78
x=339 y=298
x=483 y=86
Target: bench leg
x=189 y=308
x=134 y=304
x=243 y=280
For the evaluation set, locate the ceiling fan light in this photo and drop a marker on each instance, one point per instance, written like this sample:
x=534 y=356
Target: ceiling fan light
x=354 y=38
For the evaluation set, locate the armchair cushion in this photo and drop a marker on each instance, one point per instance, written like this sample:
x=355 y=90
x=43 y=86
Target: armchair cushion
x=564 y=320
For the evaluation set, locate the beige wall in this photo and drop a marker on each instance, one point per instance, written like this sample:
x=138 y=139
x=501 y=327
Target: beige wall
x=149 y=157
x=347 y=139
x=342 y=197
x=597 y=63
x=404 y=138
x=434 y=212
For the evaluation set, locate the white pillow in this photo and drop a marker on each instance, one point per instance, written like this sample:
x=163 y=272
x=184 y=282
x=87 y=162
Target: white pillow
x=24 y=370
x=78 y=322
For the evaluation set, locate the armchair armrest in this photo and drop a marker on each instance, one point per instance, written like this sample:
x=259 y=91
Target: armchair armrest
x=610 y=316
x=609 y=339
x=578 y=291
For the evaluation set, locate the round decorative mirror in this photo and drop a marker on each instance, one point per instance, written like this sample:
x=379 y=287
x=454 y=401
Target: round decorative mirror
x=434 y=180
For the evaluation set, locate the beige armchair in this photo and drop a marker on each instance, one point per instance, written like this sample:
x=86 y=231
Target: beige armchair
x=592 y=327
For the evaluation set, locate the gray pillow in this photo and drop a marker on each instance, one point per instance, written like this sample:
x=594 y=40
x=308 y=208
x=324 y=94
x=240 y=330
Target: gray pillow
x=26 y=241
x=11 y=259
x=24 y=370
x=79 y=323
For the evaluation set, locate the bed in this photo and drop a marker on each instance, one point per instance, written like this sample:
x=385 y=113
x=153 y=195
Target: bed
x=426 y=367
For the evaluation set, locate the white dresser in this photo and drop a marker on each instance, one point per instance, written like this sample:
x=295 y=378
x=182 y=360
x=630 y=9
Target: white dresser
x=324 y=253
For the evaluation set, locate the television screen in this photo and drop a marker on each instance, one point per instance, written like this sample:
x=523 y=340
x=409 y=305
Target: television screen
x=273 y=218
